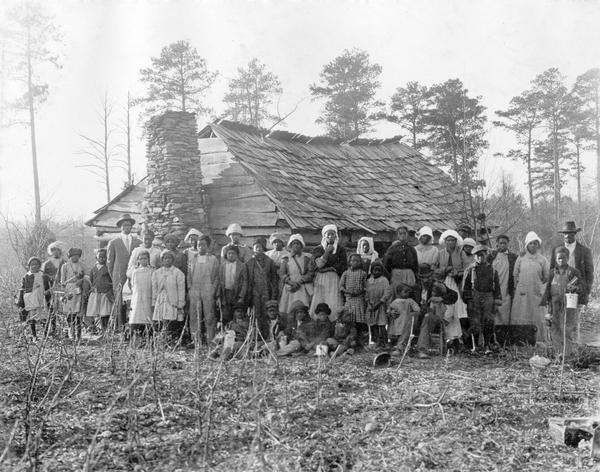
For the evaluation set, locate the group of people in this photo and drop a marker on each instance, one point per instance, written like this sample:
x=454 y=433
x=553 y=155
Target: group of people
x=331 y=299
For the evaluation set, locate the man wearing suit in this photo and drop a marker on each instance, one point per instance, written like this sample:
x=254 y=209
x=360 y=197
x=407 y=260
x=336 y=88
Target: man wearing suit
x=119 y=251
x=580 y=257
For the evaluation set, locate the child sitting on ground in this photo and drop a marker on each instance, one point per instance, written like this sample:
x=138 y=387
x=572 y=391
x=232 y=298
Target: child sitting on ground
x=276 y=337
x=324 y=328
x=402 y=317
x=377 y=294
x=301 y=335
x=235 y=334
x=101 y=292
x=72 y=278
x=345 y=338
x=34 y=295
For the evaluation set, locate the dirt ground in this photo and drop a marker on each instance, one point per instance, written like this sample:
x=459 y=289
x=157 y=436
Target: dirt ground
x=105 y=405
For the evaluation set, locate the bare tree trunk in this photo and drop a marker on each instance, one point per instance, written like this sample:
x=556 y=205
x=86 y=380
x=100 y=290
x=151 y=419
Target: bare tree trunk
x=577 y=150
x=105 y=150
x=36 y=182
x=597 y=129
x=128 y=130
x=529 y=177
x=556 y=173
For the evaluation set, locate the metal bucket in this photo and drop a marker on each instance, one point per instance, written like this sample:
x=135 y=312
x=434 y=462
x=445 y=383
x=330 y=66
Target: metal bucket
x=572 y=299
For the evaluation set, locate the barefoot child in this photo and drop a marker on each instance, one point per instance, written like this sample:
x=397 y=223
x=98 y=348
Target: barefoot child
x=34 y=295
x=140 y=316
x=377 y=293
x=352 y=286
x=101 y=296
x=71 y=278
x=168 y=293
x=563 y=279
x=345 y=338
x=402 y=311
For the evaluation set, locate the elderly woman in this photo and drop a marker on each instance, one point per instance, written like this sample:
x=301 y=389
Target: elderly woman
x=530 y=274
x=427 y=253
x=297 y=274
x=366 y=250
x=454 y=261
x=402 y=263
x=331 y=262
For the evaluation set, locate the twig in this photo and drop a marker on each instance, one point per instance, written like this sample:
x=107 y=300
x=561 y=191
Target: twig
x=10 y=439
x=410 y=338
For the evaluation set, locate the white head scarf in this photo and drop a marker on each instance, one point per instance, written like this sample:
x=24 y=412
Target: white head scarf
x=190 y=232
x=469 y=242
x=56 y=244
x=373 y=254
x=532 y=236
x=324 y=231
x=296 y=237
x=453 y=234
x=234 y=228
x=425 y=231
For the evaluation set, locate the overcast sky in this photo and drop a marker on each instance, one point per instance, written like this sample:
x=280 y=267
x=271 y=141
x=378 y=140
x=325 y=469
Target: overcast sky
x=494 y=47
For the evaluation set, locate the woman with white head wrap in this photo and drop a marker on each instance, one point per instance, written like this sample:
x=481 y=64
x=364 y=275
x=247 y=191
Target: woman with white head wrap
x=278 y=254
x=454 y=261
x=331 y=262
x=297 y=273
x=427 y=253
x=531 y=272
x=366 y=249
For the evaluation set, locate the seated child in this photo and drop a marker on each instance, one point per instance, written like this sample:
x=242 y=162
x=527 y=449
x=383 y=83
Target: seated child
x=402 y=316
x=301 y=335
x=324 y=328
x=34 y=295
x=437 y=297
x=235 y=334
x=276 y=337
x=345 y=337
x=563 y=279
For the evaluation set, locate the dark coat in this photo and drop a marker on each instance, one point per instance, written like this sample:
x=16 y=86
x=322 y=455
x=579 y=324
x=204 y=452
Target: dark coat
x=101 y=281
x=117 y=257
x=481 y=278
x=572 y=273
x=512 y=258
x=240 y=280
x=584 y=263
x=337 y=261
x=265 y=268
x=401 y=256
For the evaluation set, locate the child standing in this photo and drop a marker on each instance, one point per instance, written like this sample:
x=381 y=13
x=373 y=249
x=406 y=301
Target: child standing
x=402 y=311
x=203 y=286
x=34 y=295
x=140 y=317
x=481 y=291
x=52 y=268
x=233 y=283
x=563 y=279
x=168 y=293
x=377 y=294
x=101 y=296
x=71 y=278
x=352 y=286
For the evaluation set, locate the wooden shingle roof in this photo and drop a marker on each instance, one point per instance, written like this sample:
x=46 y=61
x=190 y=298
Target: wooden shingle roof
x=373 y=185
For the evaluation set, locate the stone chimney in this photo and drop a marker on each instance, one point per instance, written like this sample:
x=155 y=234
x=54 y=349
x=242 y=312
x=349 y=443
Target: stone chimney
x=174 y=201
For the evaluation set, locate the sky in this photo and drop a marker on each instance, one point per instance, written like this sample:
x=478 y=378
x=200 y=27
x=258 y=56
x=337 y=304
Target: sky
x=495 y=47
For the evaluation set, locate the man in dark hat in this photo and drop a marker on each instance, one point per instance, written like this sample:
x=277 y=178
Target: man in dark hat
x=118 y=253
x=580 y=257
x=263 y=283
